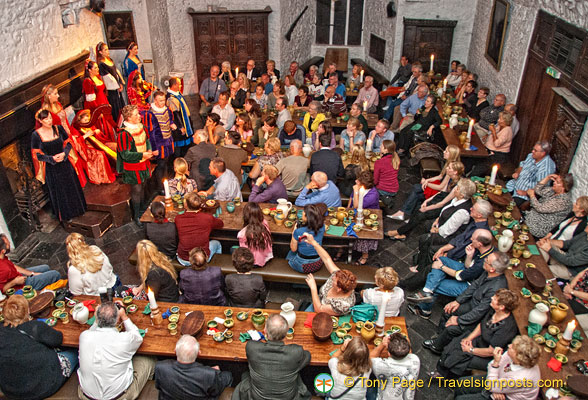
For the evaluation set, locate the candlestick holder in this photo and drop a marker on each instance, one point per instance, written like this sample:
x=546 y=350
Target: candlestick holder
x=562 y=346
x=431 y=73
x=169 y=204
x=156 y=317
x=359 y=218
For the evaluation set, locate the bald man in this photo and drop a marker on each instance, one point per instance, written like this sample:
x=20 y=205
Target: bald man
x=451 y=277
x=319 y=190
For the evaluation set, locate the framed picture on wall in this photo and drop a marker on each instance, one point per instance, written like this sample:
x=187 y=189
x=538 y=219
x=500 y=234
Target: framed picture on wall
x=119 y=28
x=497 y=32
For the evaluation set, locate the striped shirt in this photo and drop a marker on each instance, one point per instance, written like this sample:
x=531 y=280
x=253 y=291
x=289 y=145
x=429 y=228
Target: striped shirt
x=532 y=172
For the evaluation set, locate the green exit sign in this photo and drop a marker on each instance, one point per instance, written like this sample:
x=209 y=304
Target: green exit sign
x=554 y=73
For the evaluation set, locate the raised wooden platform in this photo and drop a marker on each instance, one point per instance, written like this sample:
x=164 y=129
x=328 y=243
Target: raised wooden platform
x=91 y=224
x=111 y=198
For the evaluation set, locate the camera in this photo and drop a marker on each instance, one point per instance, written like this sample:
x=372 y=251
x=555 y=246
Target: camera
x=211 y=99
x=582 y=366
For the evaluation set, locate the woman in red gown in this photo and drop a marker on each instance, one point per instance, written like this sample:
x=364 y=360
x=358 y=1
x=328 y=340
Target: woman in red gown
x=138 y=91
x=79 y=157
x=94 y=91
x=99 y=170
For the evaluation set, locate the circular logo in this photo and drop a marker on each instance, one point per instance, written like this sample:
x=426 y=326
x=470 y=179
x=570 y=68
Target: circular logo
x=323 y=383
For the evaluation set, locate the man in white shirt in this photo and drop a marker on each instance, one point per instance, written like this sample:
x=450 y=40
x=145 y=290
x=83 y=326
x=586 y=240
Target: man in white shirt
x=226 y=185
x=369 y=94
x=283 y=113
x=225 y=111
x=514 y=125
x=109 y=368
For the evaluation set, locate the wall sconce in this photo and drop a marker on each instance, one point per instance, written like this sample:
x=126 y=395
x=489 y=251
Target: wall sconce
x=68 y=17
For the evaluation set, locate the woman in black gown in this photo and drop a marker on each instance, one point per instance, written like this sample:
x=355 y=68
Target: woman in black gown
x=50 y=147
x=112 y=79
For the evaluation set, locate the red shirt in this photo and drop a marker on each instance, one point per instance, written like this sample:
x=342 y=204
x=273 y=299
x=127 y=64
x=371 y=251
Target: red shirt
x=7 y=273
x=194 y=231
x=385 y=176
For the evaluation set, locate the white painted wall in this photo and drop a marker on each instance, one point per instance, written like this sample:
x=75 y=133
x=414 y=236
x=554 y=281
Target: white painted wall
x=33 y=39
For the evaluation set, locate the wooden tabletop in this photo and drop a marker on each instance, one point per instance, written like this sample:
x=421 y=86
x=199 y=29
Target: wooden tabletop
x=234 y=221
x=521 y=313
x=372 y=119
x=346 y=159
x=451 y=136
x=159 y=342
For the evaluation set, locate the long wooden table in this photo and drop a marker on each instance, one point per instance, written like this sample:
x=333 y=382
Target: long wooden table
x=159 y=342
x=451 y=136
x=234 y=221
x=521 y=313
x=372 y=119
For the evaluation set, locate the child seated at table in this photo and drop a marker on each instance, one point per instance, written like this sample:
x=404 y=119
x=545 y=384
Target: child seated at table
x=243 y=288
x=386 y=281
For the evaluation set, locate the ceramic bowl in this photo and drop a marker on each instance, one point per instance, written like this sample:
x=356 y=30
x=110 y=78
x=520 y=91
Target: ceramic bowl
x=395 y=328
x=228 y=334
x=373 y=217
x=539 y=339
x=175 y=310
x=131 y=308
x=377 y=342
x=575 y=344
x=524 y=237
x=266 y=211
x=51 y=321
x=60 y=304
x=56 y=313
x=289 y=224
x=356 y=228
x=550 y=344
x=527 y=254
x=72 y=303
x=561 y=358
x=553 y=330
x=174 y=318
x=348 y=336
x=341 y=332
x=515 y=262
x=346 y=326
x=535 y=298
x=242 y=315
x=127 y=300
x=366 y=213
x=334 y=221
x=292 y=217
x=530 y=265
x=27 y=289
x=212 y=324
x=368 y=222
x=228 y=312
x=218 y=337
x=229 y=322
x=553 y=300
x=497 y=214
x=331 y=209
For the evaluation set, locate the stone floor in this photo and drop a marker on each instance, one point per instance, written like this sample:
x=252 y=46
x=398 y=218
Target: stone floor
x=118 y=243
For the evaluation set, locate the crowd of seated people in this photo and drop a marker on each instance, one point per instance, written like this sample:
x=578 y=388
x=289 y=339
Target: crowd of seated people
x=455 y=259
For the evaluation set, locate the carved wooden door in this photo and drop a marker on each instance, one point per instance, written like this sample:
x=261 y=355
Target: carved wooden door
x=425 y=37
x=229 y=36
x=571 y=117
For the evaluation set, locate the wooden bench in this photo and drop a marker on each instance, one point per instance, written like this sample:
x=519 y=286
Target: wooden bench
x=379 y=79
x=316 y=60
x=278 y=270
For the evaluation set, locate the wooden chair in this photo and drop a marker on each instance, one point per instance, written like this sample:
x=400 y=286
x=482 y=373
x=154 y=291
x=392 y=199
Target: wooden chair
x=338 y=56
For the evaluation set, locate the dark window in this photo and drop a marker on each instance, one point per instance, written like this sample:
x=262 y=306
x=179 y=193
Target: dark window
x=348 y=22
x=564 y=51
x=377 y=48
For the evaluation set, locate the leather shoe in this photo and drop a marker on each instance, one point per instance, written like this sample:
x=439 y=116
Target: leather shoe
x=429 y=344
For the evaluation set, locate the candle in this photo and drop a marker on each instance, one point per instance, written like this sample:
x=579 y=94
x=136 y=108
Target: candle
x=362 y=192
x=445 y=84
x=470 y=128
x=151 y=296
x=361 y=76
x=493 y=175
x=166 y=189
x=382 y=313
x=365 y=105
x=236 y=72
x=570 y=330
x=432 y=59
x=368 y=145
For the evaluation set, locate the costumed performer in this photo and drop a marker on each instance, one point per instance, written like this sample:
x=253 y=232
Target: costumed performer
x=112 y=78
x=159 y=123
x=53 y=161
x=183 y=133
x=50 y=102
x=99 y=170
x=132 y=157
x=94 y=91
x=138 y=91
x=132 y=62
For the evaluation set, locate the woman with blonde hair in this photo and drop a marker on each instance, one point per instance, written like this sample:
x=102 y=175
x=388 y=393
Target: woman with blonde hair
x=156 y=272
x=273 y=154
x=88 y=267
x=31 y=365
x=428 y=187
x=352 y=360
x=181 y=184
x=358 y=163
x=243 y=82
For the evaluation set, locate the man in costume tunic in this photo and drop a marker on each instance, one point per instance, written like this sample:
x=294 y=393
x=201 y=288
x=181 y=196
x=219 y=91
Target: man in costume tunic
x=182 y=135
x=133 y=154
x=159 y=123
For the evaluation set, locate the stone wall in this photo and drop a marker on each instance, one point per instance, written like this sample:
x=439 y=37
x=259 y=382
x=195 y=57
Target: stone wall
x=34 y=39
x=377 y=22
x=580 y=166
x=299 y=47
